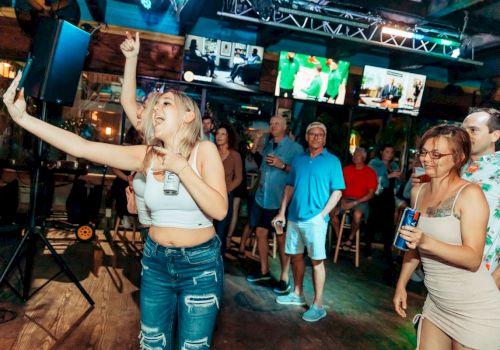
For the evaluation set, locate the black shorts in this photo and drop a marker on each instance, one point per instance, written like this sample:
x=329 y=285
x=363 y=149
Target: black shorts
x=241 y=191
x=261 y=217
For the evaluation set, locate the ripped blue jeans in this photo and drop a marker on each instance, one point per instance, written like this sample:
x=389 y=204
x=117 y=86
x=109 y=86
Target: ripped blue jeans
x=182 y=288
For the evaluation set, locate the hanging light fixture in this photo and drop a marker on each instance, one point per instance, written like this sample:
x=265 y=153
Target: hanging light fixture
x=153 y=5
x=264 y=8
x=418 y=36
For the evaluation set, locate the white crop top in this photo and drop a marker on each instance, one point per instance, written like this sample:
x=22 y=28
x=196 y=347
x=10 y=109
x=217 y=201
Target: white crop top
x=139 y=185
x=180 y=211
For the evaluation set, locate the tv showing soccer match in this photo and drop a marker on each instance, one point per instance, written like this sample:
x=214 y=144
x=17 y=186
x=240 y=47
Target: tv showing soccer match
x=393 y=90
x=307 y=77
x=226 y=64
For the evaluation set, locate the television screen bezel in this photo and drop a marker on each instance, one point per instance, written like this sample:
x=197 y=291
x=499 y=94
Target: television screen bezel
x=396 y=110
x=325 y=80
x=225 y=85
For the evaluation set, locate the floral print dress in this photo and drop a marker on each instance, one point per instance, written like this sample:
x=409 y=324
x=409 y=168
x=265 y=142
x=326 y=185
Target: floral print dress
x=486 y=173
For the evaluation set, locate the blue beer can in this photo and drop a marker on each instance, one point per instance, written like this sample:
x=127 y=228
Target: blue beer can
x=409 y=218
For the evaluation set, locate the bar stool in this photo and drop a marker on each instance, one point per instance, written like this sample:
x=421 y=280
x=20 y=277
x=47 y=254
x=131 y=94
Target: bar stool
x=345 y=225
x=118 y=226
x=273 y=244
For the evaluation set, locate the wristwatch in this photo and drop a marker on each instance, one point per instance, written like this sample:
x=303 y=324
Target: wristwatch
x=283 y=167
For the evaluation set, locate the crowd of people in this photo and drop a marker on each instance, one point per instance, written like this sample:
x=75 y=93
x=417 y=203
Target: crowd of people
x=457 y=240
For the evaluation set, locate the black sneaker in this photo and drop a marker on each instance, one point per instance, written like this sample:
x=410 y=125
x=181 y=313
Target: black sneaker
x=282 y=287
x=258 y=276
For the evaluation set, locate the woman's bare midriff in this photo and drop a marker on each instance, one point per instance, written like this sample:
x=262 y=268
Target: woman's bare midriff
x=181 y=237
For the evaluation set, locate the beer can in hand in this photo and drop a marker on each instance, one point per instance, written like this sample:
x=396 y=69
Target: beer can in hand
x=278 y=227
x=171 y=184
x=409 y=218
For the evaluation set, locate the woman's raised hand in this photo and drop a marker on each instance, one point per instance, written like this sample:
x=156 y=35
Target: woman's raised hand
x=15 y=106
x=130 y=47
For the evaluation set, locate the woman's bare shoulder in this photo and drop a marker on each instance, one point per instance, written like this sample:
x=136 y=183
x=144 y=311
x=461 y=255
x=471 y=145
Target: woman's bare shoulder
x=470 y=190
x=206 y=147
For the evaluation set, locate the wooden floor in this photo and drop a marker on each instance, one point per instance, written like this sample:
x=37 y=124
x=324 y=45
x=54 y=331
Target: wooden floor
x=359 y=307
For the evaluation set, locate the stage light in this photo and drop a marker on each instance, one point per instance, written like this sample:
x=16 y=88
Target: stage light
x=253 y=108
x=154 y=5
x=402 y=33
x=417 y=36
x=445 y=42
x=264 y=8
x=455 y=53
x=146 y=4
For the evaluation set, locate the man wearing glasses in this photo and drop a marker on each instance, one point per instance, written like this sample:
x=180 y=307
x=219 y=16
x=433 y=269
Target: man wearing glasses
x=313 y=189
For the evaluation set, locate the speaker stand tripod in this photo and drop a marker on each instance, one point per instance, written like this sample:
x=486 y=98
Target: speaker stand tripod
x=32 y=233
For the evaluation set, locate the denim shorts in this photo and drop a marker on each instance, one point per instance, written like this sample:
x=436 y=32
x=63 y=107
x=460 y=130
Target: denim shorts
x=311 y=234
x=182 y=288
x=363 y=206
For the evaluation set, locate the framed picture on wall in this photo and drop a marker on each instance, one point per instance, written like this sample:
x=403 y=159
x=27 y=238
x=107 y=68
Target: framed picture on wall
x=225 y=49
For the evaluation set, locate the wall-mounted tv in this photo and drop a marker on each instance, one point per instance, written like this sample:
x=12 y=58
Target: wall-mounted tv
x=222 y=63
x=312 y=78
x=391 y=89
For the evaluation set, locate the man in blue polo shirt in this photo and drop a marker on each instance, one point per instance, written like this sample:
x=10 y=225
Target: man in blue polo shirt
x=275 y=159
x=313 y=189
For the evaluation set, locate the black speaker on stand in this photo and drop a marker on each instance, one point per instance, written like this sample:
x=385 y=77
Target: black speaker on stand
x=57 y=55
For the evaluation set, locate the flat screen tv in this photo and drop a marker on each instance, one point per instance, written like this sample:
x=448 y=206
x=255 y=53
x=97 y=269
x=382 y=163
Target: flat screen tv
x=307 y=77
x=222 y=63
x=390 y=89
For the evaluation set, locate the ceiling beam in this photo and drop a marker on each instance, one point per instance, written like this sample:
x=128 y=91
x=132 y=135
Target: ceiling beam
x=352 y=29
x=438 y=9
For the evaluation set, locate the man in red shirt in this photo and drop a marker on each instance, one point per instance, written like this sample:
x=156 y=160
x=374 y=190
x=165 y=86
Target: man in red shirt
x=360 y=185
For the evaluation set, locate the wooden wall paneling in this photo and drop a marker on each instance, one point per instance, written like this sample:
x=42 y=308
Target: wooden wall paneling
x=15 y=44
x=160 y=56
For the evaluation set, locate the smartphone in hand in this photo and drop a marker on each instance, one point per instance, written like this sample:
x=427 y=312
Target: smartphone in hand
x=26 y=72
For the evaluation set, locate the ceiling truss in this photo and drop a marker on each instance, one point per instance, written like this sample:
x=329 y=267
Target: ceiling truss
x=338 y=23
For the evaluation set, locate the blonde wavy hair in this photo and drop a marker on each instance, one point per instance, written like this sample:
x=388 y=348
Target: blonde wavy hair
x=147 y=118
x=188 y=134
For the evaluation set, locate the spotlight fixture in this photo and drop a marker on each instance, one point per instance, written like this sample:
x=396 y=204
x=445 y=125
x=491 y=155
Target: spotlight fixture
x=455 y=53
x=153 y=5
x=402 y=33
x=264 y=8
x=418 y=36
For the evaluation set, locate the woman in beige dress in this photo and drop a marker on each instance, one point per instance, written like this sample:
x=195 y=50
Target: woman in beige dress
x=462 y=309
